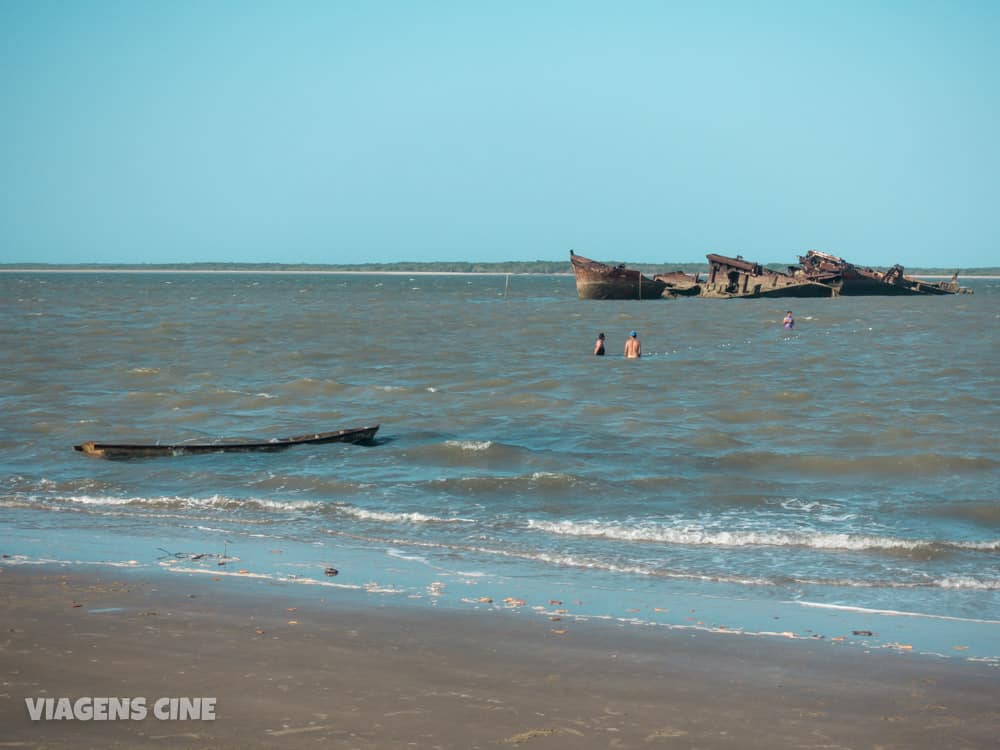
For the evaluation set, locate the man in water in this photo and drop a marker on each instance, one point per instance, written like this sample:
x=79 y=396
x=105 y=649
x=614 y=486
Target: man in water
x=599 y=346
x=789 y=321
x=633 y=347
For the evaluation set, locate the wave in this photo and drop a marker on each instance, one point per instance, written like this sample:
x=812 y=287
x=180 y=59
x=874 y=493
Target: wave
x=547 y=481
x=691 y=535
x=397 y=517
x=220 y=502
x=470 y=445
x=566 y=560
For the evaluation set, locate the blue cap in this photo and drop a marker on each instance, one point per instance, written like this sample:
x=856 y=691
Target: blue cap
x=633 y=334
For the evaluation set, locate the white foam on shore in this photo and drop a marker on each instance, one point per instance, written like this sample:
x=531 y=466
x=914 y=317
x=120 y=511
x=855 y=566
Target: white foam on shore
x=214 y=501
x=892 y=612
x=25 y=560
x=372 y=588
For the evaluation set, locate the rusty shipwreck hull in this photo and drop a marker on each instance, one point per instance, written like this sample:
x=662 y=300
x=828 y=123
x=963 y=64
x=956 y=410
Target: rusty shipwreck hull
x=596 y=280
x=680 y=284
x=849 y=280
x=817 y=275
x=730 y=278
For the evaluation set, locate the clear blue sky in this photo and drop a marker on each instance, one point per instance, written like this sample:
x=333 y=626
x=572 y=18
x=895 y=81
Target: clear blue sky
x=341 y=131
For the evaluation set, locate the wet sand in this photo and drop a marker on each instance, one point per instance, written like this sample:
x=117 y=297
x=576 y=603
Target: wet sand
x=289 y=671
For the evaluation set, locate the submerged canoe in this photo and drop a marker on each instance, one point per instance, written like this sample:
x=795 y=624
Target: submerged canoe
x=141 y=450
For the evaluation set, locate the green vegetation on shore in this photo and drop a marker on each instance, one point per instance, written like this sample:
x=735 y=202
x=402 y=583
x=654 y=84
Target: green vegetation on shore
x=531 y=266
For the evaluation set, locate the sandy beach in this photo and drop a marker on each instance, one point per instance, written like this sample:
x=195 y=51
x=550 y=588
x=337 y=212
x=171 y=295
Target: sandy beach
x=337 y=672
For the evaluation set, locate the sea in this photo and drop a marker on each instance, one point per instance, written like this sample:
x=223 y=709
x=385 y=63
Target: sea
x=839 y=482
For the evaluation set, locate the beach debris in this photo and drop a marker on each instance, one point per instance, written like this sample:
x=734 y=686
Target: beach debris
x=330 y=571
x=867 y=633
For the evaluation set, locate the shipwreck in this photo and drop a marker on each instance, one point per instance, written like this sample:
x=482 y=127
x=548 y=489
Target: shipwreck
x=851 y=280
x=817 y=274
x=596 y=280
x=735 y=277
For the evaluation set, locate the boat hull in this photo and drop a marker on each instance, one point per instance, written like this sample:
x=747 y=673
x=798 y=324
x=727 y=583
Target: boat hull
x=596 y=280
x=736 y=278
x=357 y=435
x=850 y=280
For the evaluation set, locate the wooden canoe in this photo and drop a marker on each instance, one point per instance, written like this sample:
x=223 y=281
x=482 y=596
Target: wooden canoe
x=142 y=450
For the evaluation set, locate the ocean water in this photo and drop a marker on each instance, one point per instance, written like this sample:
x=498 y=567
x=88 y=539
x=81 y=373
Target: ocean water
x=837 y=482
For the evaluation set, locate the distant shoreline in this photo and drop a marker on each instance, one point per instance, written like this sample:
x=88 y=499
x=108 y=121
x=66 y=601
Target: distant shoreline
x=321 y=272
x=282 y=271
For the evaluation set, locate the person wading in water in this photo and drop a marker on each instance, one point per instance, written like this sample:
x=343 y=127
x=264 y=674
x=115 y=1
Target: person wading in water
x=633 y=347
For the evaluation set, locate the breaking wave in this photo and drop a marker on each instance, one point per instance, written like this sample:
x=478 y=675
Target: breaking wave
x=220 y=502
x=397 y=517
x=470 y=445
x=691 y=535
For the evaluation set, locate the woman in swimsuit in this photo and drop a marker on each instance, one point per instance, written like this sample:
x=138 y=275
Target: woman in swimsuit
x=599 y=346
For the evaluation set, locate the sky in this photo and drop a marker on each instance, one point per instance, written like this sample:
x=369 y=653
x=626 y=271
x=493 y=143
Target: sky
x=374 y=132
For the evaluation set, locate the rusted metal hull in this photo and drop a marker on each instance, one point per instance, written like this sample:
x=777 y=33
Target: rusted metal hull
x=817 y=275
x=596 y=280
x=733 y=278
x=850 y=280
x=140 y=450
x=680 y=284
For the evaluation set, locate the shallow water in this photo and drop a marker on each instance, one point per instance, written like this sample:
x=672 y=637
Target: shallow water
x=819 y=477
